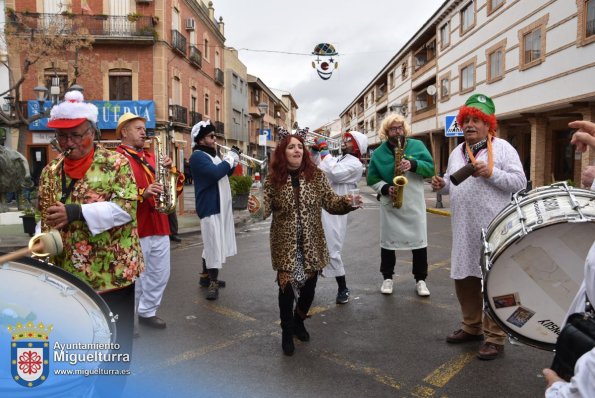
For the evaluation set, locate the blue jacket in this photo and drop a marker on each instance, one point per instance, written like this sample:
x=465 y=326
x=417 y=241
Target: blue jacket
x=206 y=176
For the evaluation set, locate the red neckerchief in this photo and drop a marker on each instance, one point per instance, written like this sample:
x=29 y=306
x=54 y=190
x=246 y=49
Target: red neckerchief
x=76 y=169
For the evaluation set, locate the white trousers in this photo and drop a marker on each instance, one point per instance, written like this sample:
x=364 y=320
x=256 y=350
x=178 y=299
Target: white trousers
x=151 y=284
x=335 y=227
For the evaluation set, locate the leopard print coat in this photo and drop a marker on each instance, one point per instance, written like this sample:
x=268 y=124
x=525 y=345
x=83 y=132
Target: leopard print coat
x=314 y=195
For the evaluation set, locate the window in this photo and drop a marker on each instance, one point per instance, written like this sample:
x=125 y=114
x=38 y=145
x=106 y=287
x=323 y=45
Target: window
x=120 y=85
x=404 y=70
x=50 y=73
x=495 y=57
x=425 y=54
x=206 y=45
x=467 y=17
x=445 y=87
x=493 y=5
x=445 y=35
x=391 y=80
x=532 y=43
x=217 y=111
x=586 y=22
x=207 y=104
x=467 y=76
x=423 y=101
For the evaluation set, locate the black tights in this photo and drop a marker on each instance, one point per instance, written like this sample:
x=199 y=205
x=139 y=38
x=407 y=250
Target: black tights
x=287 y=298
x=388 y=260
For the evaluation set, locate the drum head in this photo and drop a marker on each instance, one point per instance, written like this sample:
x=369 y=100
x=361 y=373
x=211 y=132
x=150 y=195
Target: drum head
x=50 y=320
x=531 y=285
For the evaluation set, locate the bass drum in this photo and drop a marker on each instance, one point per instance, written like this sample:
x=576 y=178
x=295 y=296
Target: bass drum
x=533 y=261
x=54 y=331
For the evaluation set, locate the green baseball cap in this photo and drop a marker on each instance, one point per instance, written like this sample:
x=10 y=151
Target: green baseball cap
x=481 y=102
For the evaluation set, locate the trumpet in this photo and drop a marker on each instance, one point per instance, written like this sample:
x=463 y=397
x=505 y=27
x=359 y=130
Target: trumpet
x=246 y=160
x=334 y=144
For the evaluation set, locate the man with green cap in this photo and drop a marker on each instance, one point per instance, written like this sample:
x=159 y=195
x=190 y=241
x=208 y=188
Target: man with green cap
x=496 y=172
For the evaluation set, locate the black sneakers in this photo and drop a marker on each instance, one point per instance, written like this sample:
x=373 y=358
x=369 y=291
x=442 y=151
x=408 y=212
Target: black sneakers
x=343 y=296
x=213 y=291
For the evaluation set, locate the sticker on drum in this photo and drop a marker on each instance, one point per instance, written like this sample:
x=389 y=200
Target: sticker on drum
x=531 y=276
x=54 y=331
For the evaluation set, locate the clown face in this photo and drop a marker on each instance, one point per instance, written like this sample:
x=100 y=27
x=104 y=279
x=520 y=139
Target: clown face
x=325 y=67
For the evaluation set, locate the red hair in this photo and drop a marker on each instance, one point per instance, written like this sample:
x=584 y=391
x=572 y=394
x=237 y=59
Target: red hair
x=278 y=167
x=356 y=151
x=469 y=111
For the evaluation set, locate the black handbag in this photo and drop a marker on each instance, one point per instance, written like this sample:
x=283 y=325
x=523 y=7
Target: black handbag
x=576 y=338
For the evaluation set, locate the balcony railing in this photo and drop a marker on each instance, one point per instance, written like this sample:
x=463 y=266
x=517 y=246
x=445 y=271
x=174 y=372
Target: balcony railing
x=179 y=114
x=95 y=25
x=195 y=56
x=219 y=76
x=178 y=42
x=195 y=117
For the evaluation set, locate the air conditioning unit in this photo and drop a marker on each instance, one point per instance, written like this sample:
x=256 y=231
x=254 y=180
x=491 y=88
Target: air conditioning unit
x=190 y=24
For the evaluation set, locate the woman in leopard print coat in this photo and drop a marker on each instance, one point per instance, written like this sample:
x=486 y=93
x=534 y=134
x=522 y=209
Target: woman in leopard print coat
x=295 y=192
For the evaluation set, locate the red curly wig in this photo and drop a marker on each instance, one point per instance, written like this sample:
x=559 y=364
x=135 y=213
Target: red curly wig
x=469 y=111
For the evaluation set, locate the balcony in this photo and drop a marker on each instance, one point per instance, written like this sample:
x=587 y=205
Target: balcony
x=195 y=56
x=179 y=114
x=103 y=28
x=220 y=129
x=195 y=117
x=219 y=76
x=178 y=42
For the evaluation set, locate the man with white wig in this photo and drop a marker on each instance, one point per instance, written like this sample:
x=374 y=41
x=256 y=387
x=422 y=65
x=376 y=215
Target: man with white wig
x=212 y=194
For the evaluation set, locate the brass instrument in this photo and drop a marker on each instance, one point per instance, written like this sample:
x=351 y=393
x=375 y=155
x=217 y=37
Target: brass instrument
x=53 y=193
x=399 y=180
x=167 y=200
x=334 y=144
x=246 y=160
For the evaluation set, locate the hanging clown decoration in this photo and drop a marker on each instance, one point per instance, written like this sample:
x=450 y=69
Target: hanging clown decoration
x=324 y=63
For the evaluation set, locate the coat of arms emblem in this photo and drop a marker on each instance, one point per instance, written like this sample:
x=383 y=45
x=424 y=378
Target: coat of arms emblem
x=29 y=353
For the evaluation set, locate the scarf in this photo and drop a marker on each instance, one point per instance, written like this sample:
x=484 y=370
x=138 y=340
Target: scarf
x=76 y=169
x=471 y=150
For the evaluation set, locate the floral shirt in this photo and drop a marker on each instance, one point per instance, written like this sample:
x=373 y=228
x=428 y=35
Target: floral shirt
x=111 y=259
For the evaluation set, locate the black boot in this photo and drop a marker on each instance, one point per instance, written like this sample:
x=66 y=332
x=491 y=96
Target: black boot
x=213 y=290
x=298 y=327
x=286 y=315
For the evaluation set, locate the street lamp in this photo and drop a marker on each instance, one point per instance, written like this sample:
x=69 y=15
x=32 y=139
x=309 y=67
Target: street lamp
x=262 y=108
x=42 y=93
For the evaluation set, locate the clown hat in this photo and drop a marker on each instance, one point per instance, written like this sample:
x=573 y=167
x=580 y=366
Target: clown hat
x=125 y=118
x=201 y=129
x=481 y=106
x=72 y=112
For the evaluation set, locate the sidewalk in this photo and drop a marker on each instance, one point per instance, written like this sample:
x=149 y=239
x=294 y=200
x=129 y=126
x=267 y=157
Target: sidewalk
x=12 y=236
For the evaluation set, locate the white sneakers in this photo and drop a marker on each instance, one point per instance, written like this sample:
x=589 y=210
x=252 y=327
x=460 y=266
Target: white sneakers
x=387 y=287
x=422 y=289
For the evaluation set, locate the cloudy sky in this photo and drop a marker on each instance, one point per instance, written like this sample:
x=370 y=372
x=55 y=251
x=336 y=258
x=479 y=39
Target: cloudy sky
x=366 y=34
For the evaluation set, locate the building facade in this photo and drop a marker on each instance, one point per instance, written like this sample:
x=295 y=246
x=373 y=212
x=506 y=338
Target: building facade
x=516 y=52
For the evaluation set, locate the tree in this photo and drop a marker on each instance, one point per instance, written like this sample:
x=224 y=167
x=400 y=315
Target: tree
x=35 y=40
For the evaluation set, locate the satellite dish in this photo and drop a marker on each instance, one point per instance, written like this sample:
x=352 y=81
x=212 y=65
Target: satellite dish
x=431 y=90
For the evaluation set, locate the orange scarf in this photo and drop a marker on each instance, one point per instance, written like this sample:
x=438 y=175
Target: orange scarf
x=76 y=169
x=490 y=154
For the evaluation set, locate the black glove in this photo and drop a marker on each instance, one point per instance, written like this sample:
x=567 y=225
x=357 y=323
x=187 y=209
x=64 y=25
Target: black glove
x=236 y=150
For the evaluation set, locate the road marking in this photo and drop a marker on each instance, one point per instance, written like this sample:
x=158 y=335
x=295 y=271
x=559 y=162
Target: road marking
x=377 y=374
x=442 y=375
x=227 y=312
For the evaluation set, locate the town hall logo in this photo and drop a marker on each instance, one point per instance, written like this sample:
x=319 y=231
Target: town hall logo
x=29 y=353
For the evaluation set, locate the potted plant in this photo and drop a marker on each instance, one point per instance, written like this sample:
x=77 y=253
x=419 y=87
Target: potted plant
x=134 y=16
x=29 y=223
x=240 y=190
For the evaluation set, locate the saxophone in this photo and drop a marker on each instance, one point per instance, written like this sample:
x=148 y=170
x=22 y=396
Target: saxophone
x=399 y=180
x=167 y=200
x=52 y=194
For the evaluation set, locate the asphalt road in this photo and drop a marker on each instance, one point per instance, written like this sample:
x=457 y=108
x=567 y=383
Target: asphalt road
x=374 y=346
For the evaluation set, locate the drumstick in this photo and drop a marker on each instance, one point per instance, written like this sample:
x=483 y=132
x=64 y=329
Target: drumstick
x=41 y=245
x=445 y=213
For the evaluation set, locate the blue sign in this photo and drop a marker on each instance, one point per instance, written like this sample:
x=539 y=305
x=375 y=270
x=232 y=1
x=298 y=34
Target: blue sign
x=109 y=113
x=267 y=132
x=451 y=127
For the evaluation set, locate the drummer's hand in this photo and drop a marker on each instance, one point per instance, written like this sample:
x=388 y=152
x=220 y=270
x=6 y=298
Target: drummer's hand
x=56 y=217
x=551 y=377
x=437 y=183
x=481 y=169
x=587 y=176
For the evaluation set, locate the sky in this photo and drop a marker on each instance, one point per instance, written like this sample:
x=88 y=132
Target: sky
x=366 y=34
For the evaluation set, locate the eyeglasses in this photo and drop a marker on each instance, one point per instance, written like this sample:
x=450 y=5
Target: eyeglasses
x=213 y=136
x=394 y=129
x=76 y=138
x=347 y=139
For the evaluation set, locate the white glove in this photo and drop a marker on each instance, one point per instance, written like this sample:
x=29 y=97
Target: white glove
x=232 y=158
